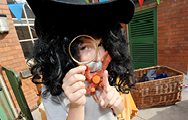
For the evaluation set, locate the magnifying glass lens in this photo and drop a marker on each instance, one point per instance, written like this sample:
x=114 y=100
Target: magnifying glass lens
x=85 y=48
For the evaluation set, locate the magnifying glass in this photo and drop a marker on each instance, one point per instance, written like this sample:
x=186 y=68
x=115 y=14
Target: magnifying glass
x=83 y=49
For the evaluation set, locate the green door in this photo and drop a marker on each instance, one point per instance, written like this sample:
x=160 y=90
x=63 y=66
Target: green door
x=5 y=110
x=16 y=84
x=143 y=38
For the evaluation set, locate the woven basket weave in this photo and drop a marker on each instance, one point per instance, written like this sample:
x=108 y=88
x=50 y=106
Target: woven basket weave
x=165 y=91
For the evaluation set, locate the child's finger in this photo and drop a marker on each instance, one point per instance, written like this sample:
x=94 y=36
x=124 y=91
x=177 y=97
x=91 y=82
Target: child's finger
x=105 y=78
x=108 y=97
x=75 y=87
x=73 y=79
x=101 y=98
x=106 y=84
x=102 y=102
x=77 y=70
x=114 y=99
x=78 y=97
x=117 y=103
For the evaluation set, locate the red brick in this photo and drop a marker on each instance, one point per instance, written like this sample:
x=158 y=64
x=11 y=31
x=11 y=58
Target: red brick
x=173 y=8
x=1 y=49
x=15 y=56
x=7 y=63
x=162 y=8
x=9 y=17
x=18 y=64
x=10 y=35
x=21 y=55
x=13 y=48
x=18 y=60
x=2 y=45
x=184 y=14
x=173 y=12
x=161 y=15
x=29 y=94
x=173 y=16
x=13 y=66
x=184 y=5
x=7 y=48
x=178 y=32
x=162 y=25
x=18 y=47
x=15 y=52
x=4 y=54
x=3 y=2
x=5 y=41
x=7 y=12
x=12 y=26
x=3 y=7
x=23 y=63
x=21 y=68
x=2 y=59
x=15 y=39
x=10 y=21
x=167 y=13
x=13 y=44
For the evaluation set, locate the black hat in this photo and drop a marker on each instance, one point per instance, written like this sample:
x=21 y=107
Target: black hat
x=64 y=15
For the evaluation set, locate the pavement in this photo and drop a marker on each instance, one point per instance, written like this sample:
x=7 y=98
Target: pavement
x=179 y=111
x=36 y=114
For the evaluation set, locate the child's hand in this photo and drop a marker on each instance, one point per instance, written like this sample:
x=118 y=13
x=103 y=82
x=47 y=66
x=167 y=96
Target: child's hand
x=110 y=96
x=74 y=87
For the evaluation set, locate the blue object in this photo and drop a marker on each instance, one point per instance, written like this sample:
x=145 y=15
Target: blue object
x=103 y=0
x=150 y=75
x=153 y=75
x=16 y=10
x=162 y=76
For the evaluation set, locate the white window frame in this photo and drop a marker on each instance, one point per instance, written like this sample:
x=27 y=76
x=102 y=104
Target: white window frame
x=27 y=24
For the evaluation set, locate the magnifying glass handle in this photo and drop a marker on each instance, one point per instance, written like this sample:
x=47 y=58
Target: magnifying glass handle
x=87 y=74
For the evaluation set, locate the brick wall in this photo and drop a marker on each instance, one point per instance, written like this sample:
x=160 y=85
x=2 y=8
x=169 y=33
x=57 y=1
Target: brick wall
x=173 y=34
x=11 y=56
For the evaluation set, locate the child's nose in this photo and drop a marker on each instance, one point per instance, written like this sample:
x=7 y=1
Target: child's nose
x=98 y=57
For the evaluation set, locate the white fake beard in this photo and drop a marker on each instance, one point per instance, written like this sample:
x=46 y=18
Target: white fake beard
x=95 y=66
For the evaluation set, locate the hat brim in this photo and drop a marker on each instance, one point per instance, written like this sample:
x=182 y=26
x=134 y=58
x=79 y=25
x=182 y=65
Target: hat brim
x=60 y=13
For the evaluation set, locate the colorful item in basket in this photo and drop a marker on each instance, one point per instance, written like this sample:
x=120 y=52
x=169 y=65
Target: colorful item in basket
x=150 y=75
x=163 y=75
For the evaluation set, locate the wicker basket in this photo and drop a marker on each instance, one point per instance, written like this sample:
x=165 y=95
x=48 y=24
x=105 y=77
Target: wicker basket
x=159 y=92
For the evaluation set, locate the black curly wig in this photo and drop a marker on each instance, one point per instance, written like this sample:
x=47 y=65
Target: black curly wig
x=52 y=60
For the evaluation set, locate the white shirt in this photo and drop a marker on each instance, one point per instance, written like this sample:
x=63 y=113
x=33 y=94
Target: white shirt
x=57 y=107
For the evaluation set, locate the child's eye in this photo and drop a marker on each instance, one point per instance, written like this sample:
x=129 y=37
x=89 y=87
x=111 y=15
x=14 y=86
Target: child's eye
x=83 y=48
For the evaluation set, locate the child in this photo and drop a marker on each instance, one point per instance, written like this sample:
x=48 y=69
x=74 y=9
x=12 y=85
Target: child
x=64 y=94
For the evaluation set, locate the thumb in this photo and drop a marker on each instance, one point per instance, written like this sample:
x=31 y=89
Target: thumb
x=105 y=78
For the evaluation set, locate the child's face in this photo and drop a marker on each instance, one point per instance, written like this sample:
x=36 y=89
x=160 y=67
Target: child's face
x=87 y=52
